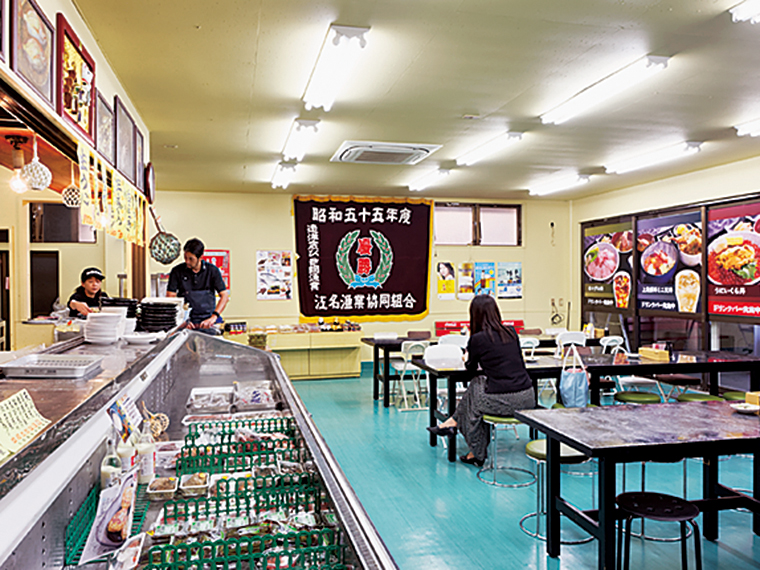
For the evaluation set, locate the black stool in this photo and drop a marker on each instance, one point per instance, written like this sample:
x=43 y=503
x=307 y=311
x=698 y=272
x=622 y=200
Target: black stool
x=658 y=507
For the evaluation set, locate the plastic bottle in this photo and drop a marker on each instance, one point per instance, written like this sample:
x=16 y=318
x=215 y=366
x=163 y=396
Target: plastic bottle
x=127 y=453
x=110 y=467
x=146 y=454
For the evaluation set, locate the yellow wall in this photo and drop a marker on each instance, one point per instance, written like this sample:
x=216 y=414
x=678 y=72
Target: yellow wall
x=724 y=181
x=244 y=223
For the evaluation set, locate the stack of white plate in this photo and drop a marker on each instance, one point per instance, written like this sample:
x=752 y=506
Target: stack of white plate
x=103 y=328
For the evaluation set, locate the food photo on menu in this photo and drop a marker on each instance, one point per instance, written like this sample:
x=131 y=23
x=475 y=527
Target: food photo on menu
x=607 y=264
x=733 y=260
x=670 y=257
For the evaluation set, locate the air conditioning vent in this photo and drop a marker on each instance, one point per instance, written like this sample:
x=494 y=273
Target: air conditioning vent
x=367 y=152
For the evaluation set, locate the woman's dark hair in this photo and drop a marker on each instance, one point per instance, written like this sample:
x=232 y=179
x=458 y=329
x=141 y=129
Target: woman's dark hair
x=194 y=246
x=485 y=316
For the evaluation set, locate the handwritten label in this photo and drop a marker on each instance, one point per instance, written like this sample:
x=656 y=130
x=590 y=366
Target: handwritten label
x=20 y=421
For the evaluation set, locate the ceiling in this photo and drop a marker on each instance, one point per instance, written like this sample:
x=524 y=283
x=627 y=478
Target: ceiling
x=218 y=84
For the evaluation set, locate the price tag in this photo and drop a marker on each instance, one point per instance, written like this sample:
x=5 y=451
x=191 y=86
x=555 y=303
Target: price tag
x=20 y=422
x=125 y=416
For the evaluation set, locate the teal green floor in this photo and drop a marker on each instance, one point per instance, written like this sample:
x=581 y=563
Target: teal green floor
x=433 y=514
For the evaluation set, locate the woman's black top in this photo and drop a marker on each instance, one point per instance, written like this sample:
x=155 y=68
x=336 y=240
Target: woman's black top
x=80 y=296
x=502 y=363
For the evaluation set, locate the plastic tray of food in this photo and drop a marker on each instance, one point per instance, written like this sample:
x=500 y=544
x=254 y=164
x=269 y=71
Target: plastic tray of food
x=51 y=366
x=257 y=395
x=218 y=399
x=162 y=488
x=194 y=484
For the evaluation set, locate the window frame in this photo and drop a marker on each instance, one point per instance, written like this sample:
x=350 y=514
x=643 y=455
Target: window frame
x=476 y=230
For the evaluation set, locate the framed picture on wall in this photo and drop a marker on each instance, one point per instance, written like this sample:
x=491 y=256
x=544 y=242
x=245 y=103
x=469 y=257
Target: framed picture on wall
x=32 y=37
x=3 y=20
x=125 y=141
x=75 y=95
x=139 y=160
x=104 y=129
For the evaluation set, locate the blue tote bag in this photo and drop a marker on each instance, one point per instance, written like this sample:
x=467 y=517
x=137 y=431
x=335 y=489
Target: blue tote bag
x=573 y=382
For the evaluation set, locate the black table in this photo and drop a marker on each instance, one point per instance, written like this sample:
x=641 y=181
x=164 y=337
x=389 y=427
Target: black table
x=386 y=346
x=621 y=434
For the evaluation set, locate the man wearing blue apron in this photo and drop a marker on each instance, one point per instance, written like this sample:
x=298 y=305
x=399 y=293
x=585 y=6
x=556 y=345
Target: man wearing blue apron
x=198 y=282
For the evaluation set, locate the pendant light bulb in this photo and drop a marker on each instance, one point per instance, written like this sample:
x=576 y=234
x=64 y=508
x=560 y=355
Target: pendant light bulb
x=18 y=183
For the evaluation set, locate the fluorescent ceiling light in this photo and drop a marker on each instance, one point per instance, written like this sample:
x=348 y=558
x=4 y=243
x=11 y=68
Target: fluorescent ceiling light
x=283 y=174
x=748 y=10
x=487 y=149
x=751 y=128
x=429 y=179
x=336 y=61
x=557 y=183
x=606 y=88
x=655 y=157
x=301 y=135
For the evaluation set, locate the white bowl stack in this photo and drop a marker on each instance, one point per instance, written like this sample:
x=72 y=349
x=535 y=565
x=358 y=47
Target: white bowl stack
x=103 y=328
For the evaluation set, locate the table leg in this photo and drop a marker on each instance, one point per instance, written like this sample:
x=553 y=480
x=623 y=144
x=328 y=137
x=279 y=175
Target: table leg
x=452 y=386
x=433 y=405
x=709 y=482
x=594 y=391
x=755 y=492
x=714 y=381
x=607 y=514
x=553 y=491
x=386 y=381
x=375 y=372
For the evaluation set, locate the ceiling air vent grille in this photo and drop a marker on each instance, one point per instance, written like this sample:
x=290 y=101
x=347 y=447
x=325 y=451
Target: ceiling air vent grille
x=367 y=152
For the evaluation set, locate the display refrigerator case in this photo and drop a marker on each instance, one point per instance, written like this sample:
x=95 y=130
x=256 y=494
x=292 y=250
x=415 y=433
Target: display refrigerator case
x=49 y=488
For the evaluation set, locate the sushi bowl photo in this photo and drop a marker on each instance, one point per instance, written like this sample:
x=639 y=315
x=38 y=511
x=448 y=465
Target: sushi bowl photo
x=601 y=261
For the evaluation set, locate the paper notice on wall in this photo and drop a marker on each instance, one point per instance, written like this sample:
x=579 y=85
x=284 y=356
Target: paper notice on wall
x=274 y=273
x=447 y=280
x=485 y=278
x=509 y=280
x=465 y=292
x=20 y=421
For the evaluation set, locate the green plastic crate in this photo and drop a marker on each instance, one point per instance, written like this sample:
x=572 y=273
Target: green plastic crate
x=226 y=429
x=224 y=458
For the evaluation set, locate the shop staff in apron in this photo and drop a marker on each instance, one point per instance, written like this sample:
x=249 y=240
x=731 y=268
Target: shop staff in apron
x=87 y=296
x=198 y=282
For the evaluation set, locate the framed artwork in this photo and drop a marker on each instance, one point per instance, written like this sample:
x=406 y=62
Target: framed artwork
x=104 y=129
x=139 y=160
x=75 y=95
x=32 y=37
x=125 y=141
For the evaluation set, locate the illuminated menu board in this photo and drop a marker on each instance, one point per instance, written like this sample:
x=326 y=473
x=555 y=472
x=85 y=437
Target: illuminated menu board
x=670 y=262
x=607 y=262
x=733 y=260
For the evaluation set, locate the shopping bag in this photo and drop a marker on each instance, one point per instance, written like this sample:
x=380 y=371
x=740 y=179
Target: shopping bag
x=573 y=381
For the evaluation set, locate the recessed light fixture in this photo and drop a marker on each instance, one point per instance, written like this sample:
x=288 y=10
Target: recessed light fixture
x=489 y=148
x=432 y=177
x=171 y=146
x=653 y=158
x=606 y=88
x=561 y=181
x=283 y=174
x=750 y=128
x=300 y=137
x=749 y=10
x=337 y=59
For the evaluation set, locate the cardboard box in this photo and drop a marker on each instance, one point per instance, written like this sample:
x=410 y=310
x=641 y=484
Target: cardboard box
x=752 y=398
x=654 y=354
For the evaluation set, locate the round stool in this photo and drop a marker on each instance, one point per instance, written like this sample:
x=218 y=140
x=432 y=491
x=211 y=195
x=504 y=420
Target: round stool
x=536 y=450
x=657 y=507
x=633 y=397
x=493 y=466
x=734 y=396
x=697 y=397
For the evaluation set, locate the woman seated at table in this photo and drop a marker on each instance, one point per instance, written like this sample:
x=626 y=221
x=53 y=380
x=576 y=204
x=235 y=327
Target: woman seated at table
x=500 y=385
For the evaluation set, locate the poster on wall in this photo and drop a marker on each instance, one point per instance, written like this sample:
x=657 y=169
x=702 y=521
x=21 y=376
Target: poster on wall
x=733 y=260
x=274 y=275
x=509 y=280
x=670 y=259
x=363 y=258
x=221 y=258
x=485 y=278
x=465 y=291
x=447 y=280
x=607 y=266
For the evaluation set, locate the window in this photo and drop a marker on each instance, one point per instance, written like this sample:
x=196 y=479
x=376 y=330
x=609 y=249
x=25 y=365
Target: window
x=477 y=224
x=56 y=223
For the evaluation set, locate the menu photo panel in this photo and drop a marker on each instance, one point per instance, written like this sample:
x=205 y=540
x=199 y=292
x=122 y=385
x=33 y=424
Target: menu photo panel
x=733 y=260
x=670 y=262
x=607 y=266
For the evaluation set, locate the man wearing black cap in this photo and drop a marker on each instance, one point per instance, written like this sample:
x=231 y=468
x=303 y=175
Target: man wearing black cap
x=88 y=295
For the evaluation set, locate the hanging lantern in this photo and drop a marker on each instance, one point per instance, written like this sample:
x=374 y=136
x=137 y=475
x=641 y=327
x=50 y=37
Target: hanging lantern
x=72 y=197
x=37 y=175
